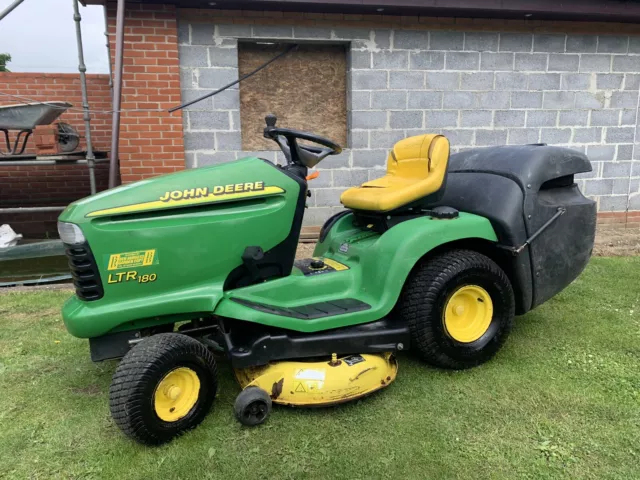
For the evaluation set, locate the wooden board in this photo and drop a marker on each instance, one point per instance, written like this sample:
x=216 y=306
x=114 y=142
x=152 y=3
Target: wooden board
x=305 y=89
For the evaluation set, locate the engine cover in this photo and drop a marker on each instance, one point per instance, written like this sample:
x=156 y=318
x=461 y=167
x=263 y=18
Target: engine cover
x=170 y=244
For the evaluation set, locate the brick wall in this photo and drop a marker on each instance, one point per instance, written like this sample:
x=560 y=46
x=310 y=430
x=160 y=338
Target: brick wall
x=64 y=87
x=151 y=142
x=44 y=186
x=59 y=185
x=480 y=82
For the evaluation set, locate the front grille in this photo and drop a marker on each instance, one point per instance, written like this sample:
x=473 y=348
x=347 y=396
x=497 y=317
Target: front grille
x=84 y=271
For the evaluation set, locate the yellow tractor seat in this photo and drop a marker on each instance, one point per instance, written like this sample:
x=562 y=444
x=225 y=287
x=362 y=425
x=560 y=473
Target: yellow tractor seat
x=416 y=169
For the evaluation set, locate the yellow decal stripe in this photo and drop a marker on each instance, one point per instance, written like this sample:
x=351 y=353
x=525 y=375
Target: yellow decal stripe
x=160 y=205
x=337 y=266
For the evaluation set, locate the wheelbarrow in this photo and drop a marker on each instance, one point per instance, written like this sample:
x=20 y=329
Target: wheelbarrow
x=27 y=116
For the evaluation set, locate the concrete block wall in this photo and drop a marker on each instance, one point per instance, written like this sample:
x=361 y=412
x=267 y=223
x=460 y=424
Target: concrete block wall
x=477 y=88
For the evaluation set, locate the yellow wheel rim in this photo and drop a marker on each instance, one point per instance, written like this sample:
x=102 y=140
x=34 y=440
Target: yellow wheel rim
x=176 y=394
x=468 y=313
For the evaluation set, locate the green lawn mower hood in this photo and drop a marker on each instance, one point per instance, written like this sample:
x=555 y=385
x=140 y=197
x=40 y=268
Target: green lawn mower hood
x=167 y=245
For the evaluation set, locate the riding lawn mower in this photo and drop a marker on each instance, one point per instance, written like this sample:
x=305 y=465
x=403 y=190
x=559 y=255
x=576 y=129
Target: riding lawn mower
x=436 y=257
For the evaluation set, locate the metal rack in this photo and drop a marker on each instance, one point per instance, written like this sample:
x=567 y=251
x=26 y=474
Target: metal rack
x=90 y=159
x=90 y=164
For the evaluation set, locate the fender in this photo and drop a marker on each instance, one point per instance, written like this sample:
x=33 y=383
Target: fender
x=378 y=266
x=400 y=248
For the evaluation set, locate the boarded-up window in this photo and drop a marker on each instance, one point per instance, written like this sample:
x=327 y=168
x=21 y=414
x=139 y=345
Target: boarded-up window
x=305 y=89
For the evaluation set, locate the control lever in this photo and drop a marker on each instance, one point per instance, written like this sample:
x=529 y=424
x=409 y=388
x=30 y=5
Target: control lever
x=250 y=258
x=271 y=120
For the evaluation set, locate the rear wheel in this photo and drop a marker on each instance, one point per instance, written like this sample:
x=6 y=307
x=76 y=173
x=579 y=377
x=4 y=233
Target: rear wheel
x=163 y=386
x=460 y=308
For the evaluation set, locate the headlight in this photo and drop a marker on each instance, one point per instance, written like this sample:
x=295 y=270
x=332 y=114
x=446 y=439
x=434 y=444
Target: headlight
x=70 y=233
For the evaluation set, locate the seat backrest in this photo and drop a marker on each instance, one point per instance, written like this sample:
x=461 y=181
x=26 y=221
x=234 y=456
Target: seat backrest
x=419 y=156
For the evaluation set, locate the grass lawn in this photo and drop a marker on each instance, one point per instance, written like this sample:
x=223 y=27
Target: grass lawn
x=561 y=400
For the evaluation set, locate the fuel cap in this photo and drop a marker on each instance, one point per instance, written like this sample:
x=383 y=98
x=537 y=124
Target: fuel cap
x=317 y=264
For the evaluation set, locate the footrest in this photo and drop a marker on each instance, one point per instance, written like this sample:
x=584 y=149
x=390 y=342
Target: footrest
x=311 y=310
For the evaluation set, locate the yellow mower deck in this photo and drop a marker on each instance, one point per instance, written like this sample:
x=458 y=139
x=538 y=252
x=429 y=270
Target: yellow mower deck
x=321 y=383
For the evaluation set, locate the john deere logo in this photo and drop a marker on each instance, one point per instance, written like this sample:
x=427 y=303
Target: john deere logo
x=217 y=190
x=196 y=196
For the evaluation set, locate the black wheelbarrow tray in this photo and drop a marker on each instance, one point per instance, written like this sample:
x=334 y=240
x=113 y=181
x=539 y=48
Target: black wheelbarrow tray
x=24 y=118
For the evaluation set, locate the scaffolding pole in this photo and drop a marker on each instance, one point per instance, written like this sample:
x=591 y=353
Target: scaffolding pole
x=117 y=94
x=44 y=161
x=82 y=68
x=10 y=8
x=31 y=209
x=106 y=34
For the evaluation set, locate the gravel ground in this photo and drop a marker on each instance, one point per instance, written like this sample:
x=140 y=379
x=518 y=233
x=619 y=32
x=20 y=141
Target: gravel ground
x=617 y=241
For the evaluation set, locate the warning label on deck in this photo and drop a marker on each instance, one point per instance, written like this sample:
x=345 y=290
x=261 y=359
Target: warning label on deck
x=141 y=258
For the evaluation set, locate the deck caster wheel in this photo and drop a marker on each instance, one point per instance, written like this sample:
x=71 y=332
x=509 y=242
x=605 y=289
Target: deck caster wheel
x=164 y=386
x=252 y=406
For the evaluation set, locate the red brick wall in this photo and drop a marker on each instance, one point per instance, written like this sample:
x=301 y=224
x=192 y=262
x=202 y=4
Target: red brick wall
x=631 y=218
x=44 y=186
x=64 y=87
x=151 y=143
x=32 y=186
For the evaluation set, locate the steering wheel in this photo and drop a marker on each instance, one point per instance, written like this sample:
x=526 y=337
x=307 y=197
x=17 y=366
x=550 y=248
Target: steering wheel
x=305 y=155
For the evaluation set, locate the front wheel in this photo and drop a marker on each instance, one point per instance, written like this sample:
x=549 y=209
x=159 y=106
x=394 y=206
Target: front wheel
x=460 y=307
x=164 y=386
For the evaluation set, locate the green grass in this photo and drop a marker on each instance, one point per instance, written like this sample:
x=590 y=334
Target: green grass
x=561 y=400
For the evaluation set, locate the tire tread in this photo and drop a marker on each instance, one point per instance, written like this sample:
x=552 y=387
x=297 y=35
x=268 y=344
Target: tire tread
x=421 y=292
x=137 y=369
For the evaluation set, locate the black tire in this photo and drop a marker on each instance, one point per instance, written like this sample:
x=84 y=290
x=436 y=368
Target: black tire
x=425 y=296
x=132 y=390
x=252 y=406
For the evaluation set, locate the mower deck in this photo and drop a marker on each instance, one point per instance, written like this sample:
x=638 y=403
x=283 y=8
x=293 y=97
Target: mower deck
x=321 y=383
